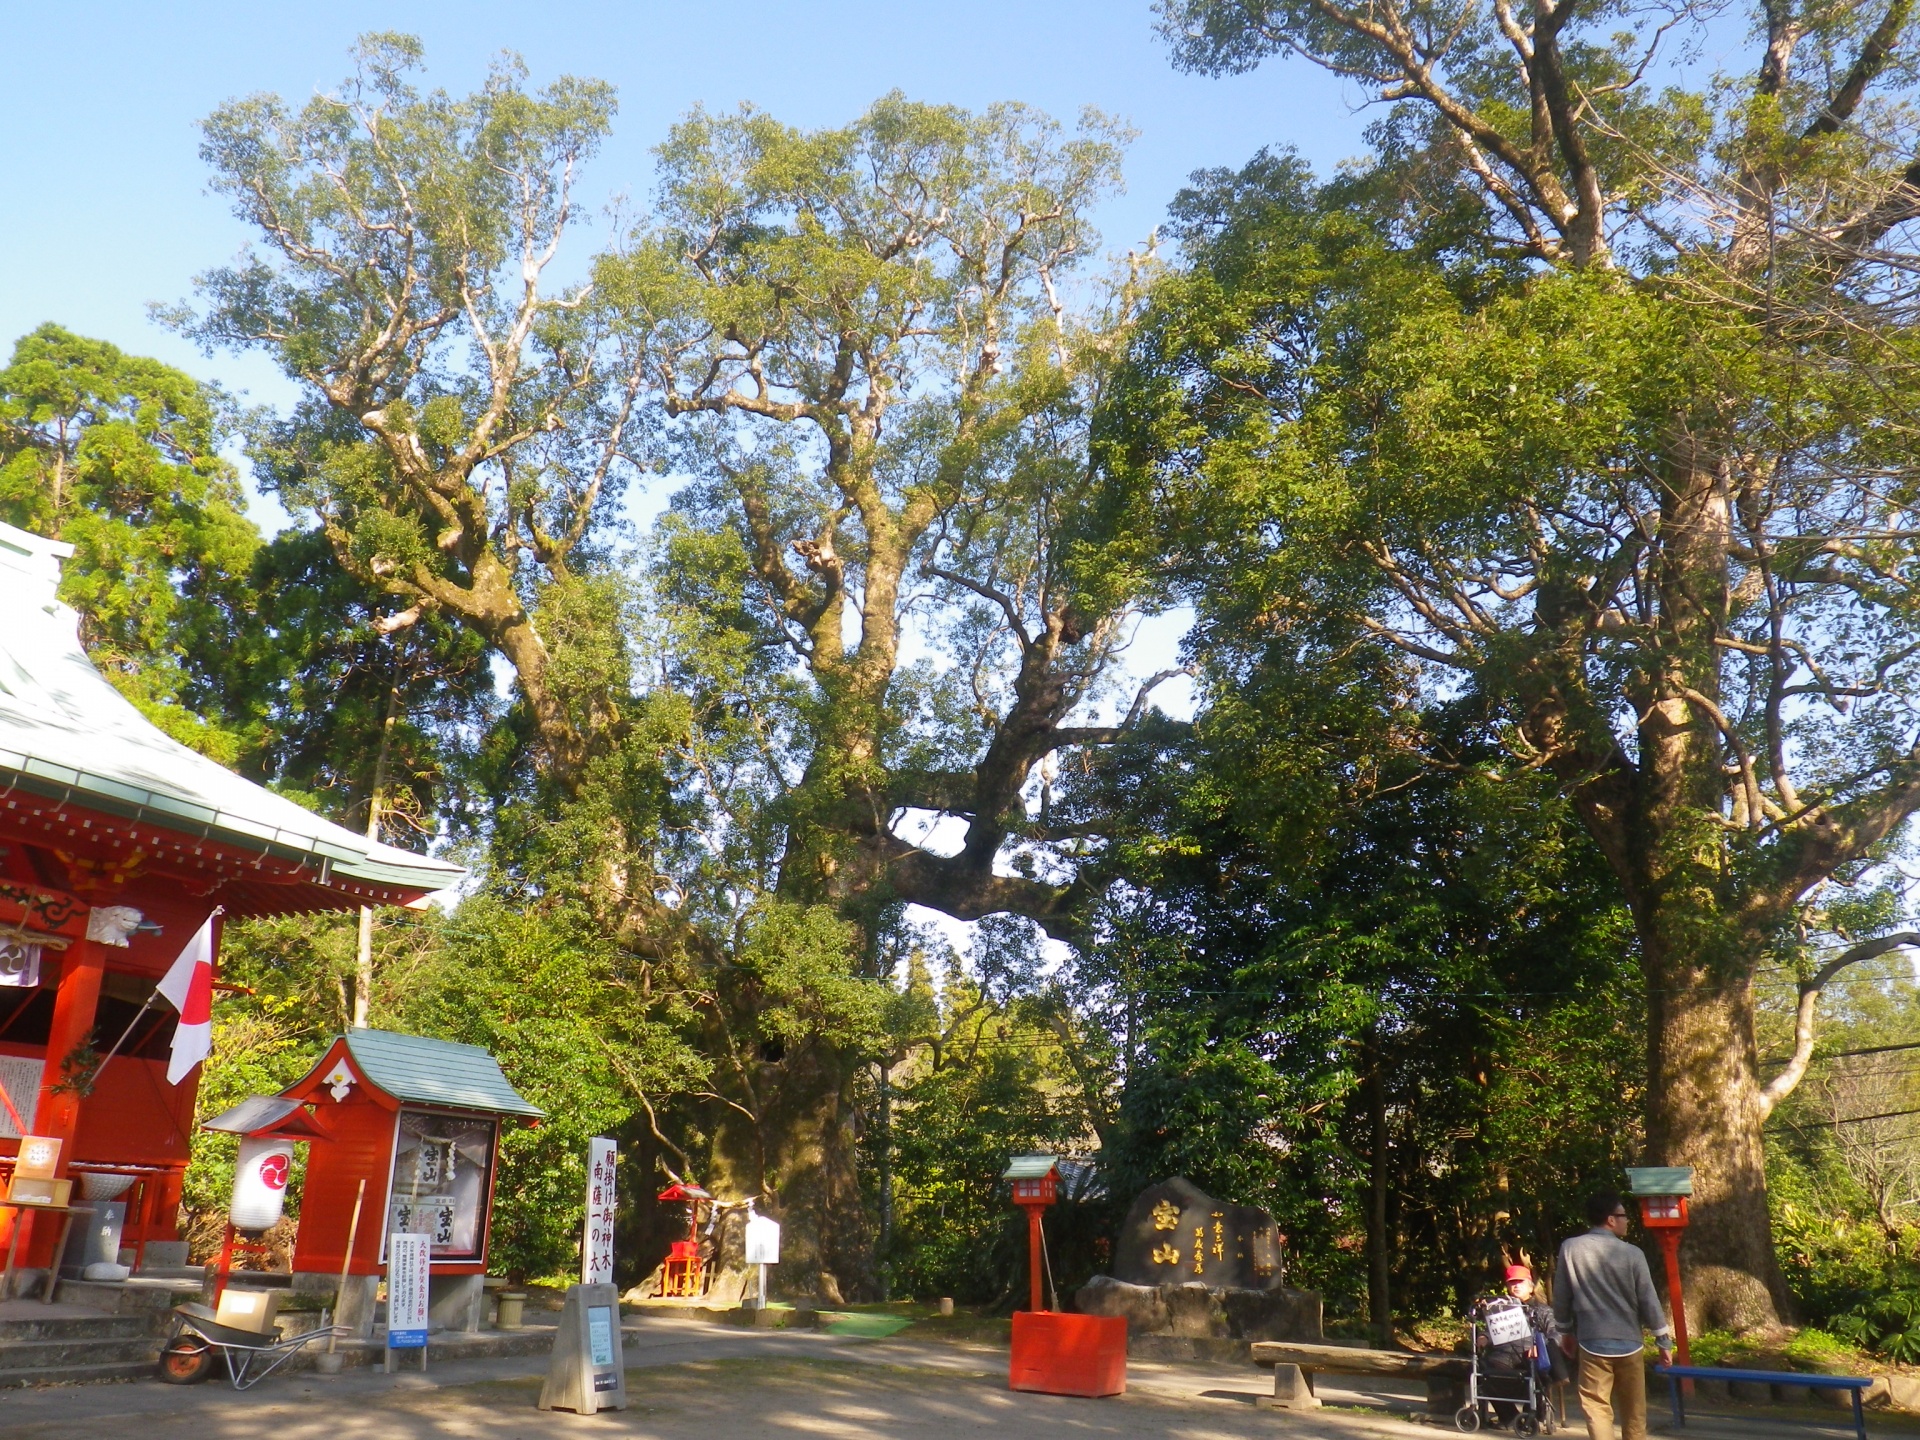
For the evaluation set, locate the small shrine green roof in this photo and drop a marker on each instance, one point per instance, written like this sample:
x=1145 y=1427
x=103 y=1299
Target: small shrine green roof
x=1029 y=1167
x=436 y=1072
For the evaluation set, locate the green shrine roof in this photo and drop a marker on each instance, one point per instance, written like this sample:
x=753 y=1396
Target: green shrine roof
x=66 y=734
x=436 y=1072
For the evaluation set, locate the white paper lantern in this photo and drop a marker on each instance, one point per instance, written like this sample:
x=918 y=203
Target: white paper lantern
x=260 y=1183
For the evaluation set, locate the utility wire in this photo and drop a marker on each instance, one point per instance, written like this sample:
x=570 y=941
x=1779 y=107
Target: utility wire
x=1852 y=1119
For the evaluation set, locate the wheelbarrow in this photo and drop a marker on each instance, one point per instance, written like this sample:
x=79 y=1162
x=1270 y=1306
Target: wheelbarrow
x=197 y=1337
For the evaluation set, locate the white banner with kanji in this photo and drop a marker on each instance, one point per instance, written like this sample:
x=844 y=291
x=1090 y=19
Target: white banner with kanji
x=596 y=1252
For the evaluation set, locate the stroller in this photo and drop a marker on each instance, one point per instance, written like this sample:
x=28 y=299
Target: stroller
x=1527 y=1389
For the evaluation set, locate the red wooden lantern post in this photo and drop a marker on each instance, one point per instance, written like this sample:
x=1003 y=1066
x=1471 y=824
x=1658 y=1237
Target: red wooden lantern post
x=1662 y=1192
x=1053 y=1353
x=1035 y=1183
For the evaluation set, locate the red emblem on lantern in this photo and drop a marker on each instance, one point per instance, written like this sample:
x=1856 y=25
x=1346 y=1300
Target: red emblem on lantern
x=273 y=1171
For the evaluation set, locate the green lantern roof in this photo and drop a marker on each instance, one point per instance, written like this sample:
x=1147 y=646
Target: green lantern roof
x=1660 y=1180
x=436 y=1072
x=1028 y=1167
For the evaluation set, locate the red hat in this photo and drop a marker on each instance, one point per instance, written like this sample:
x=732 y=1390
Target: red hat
x=1518 y=1272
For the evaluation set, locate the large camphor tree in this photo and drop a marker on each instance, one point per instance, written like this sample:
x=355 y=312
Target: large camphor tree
x=867 y=348
x=880 y=364
x=1591 y=390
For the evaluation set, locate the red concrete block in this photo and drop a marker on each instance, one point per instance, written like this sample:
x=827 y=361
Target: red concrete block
x=1056 y=1354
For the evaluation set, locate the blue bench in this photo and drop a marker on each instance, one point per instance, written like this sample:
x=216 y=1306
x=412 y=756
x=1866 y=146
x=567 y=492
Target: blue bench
x=1859 y=1385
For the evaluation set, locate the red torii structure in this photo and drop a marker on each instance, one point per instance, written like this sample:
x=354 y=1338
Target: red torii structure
x=116 y=844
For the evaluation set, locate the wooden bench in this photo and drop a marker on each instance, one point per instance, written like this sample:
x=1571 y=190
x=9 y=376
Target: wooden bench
x=1858 y=1384
x=1295 y=1364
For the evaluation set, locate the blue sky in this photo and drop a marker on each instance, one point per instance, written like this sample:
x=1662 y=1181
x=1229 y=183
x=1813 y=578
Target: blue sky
x=108 y=207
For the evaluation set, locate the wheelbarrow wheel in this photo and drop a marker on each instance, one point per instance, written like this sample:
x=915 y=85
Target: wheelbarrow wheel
x=185 y=1361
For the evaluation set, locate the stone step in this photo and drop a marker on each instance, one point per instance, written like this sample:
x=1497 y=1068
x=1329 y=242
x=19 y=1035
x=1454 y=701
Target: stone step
x=49 y=1355
x=103 y=1326
x=77 y=1374
x=123 y=1297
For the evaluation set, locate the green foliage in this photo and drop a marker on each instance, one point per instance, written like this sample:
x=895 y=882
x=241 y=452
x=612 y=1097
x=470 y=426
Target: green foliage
x=551 y=997
x=1459 y=934
x=120 y=457
x=983 y=1081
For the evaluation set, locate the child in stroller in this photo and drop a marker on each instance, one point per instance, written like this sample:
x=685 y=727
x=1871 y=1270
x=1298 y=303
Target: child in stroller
x=1515 y=1356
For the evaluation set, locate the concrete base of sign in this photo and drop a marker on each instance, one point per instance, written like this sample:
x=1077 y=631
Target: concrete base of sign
x=357 y=1300
x=588 y=1371
x=456 y=1302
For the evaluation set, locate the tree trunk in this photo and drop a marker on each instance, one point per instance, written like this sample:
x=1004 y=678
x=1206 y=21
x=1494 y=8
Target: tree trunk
x=376 y=807
x=886 y=1177
x=1379 y=1257
x=799 y=1155
x=1703 y=1110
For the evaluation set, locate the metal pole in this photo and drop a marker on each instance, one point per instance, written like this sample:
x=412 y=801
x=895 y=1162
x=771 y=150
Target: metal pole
x=353 y=1234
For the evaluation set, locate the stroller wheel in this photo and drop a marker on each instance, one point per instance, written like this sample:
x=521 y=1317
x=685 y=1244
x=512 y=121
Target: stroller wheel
x=1467 y=1418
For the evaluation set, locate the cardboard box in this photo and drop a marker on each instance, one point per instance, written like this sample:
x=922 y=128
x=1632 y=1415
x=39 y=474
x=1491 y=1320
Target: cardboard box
x=30 y=1191
x=253 y=1310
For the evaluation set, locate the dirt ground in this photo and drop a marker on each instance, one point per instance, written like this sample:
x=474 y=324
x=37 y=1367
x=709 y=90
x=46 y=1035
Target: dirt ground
x=694 y=1382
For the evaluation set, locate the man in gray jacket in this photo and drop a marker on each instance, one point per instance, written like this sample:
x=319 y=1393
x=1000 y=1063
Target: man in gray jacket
x=1602 y=1296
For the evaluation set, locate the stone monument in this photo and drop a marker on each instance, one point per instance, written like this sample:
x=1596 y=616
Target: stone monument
x=1190 y=1266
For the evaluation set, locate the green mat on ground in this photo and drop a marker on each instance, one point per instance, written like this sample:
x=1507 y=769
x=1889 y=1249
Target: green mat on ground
x=872 y=1327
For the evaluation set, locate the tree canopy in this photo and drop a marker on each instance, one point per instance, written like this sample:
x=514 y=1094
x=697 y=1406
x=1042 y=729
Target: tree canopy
x=1539 y=488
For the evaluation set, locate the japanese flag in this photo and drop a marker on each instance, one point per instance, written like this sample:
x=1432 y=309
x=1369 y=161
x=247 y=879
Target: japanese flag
x=189 y=987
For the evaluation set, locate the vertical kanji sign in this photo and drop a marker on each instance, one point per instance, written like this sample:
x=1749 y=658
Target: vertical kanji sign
x=596 y=1253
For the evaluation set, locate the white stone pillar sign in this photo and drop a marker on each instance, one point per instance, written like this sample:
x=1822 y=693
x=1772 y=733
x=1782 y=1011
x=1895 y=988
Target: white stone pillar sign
x=596 y=1250
x=409 y=1268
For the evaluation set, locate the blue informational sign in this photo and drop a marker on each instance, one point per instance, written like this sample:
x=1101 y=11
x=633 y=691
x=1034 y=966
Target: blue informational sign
x=408 y=1268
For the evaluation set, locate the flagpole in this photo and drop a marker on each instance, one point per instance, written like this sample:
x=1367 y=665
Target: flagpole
x=123 y=1037
x=217 y=910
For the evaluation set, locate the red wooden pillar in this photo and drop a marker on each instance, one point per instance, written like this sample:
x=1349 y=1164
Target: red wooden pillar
x=1033 y=1256
x=1676 y=1297
x=75 y=1006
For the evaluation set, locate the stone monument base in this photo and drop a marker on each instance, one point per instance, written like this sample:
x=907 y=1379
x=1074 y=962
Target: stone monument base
x=1196 y=1311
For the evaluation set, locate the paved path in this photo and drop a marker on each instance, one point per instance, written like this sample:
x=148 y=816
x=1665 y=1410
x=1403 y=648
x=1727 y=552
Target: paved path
x=695 y=1381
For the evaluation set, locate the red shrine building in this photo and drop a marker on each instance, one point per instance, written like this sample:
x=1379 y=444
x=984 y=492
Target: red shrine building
x=116 y=845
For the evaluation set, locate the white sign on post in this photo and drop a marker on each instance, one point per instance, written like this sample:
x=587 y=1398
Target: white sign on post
x=763 y=1247
x=763 y=1240
x=409 y=1269
x=596 y=1251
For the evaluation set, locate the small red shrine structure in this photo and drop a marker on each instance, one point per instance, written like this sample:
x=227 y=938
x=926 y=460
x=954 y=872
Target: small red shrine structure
x=1055 y=1353
x=116 y=844
x=418 y=1120
x=683 y=1275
